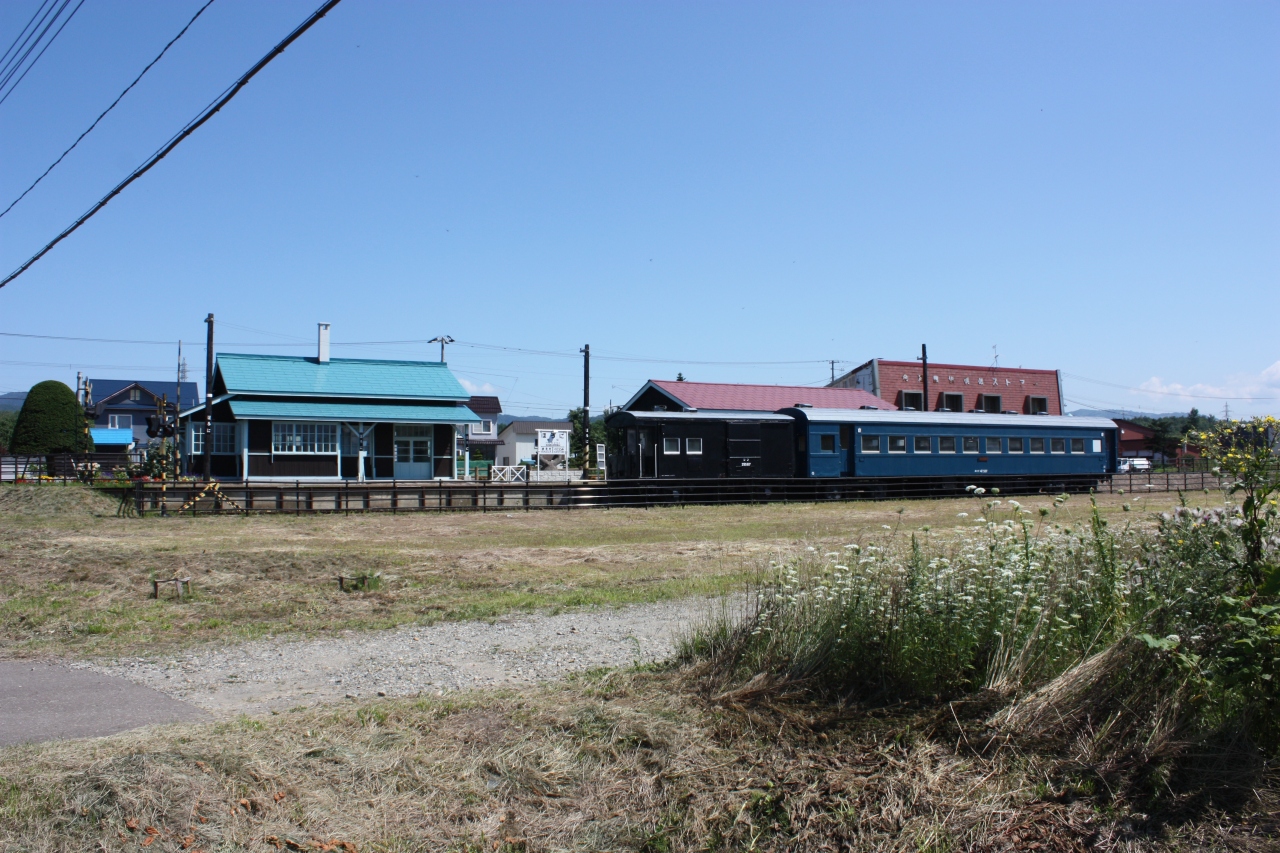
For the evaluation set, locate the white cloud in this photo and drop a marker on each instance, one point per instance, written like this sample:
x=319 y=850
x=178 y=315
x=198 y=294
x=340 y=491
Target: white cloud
x=473 y=388
x=1246 y=393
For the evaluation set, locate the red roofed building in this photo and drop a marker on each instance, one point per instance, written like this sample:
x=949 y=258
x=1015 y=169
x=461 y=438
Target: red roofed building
x=659 y=395
x=958 y=387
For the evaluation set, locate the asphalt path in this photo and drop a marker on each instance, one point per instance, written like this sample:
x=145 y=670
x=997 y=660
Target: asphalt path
x=40 y=702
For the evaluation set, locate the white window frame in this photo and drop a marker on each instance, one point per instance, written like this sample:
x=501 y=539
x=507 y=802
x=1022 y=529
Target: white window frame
x=1064 y=445
x=901 y=438
x=220 y=433
x=668 y=444
x=964 y=444
x=113 y=422
x=1031 y=444
x=943 y=438
x=999 y=444
x=1022 y=444
x=693 y=446
x=1071 y=446
x=915 y=444
x=135 y=395
x=304 y=438
x=873 y=441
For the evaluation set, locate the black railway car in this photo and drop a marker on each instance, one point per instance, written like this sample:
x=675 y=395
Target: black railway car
x=698 y=445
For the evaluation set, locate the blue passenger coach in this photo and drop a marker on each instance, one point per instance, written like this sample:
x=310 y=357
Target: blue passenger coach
x=882 y=444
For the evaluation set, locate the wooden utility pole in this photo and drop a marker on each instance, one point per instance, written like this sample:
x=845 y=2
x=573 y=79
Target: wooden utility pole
x=208 y=403
x=586 y=408
x=924 y=357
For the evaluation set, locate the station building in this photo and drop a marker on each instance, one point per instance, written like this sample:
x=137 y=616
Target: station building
x=958 y=387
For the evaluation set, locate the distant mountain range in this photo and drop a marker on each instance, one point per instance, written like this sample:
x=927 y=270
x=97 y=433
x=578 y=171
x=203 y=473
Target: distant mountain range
x=11 y=401
x=1126 y=414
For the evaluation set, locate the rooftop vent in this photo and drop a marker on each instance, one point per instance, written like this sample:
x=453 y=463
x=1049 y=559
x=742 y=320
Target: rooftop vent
x=803 y=406
x=322 y=344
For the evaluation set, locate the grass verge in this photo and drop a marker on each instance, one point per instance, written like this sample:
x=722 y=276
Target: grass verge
x=634 y=761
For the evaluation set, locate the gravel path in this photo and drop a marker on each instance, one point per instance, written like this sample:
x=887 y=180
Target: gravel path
x=273 y=675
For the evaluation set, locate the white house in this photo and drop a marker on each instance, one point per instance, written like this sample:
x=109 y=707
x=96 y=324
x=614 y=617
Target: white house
x=522 y=442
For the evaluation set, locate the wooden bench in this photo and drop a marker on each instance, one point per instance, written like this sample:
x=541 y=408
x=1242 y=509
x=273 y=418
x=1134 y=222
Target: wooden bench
x=178 y=584
x=356 y=581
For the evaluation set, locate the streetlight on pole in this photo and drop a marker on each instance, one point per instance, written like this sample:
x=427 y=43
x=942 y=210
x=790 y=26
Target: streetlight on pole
x=441 y=340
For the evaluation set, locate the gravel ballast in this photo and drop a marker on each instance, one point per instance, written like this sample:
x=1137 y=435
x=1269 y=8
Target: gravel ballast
x=276 y=674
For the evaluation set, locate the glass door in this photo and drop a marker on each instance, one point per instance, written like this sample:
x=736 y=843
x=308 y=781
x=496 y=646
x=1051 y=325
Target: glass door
x=413 y=452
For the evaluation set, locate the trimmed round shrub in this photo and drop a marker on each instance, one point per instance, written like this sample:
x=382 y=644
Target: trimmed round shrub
x=51 y=421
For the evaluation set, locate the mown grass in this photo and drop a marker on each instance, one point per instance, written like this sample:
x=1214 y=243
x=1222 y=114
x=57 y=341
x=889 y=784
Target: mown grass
x=76 y=578
x=613 y=761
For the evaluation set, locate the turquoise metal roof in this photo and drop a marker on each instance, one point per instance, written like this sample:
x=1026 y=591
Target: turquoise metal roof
x=102 y=435
x=291 y=375
x=352 y=412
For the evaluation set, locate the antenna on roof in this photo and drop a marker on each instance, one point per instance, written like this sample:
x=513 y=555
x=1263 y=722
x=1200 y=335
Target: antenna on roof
x=995 y=356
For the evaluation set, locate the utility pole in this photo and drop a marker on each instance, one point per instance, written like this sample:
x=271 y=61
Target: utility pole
x=441 y=340
x=832 y=362
x=586 y=407
x=924 y=357
x=177 y=409
x=208 y=402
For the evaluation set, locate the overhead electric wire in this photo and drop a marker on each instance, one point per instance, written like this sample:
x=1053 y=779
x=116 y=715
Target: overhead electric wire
x=12 y=60
x=173 y=143
x=1166 y=393
x=63 y=155
x=22 y=34
x=51 y=40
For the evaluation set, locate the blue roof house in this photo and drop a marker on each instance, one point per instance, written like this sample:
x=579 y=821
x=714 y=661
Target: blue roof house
x=119 y=409
x=281 y=417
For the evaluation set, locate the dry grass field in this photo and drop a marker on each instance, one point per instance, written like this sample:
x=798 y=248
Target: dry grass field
x=648 y=759
x=618 y=761
x=75 y=579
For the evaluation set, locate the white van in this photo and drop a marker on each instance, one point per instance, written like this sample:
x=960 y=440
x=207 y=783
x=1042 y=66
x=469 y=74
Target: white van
x=1133 y=463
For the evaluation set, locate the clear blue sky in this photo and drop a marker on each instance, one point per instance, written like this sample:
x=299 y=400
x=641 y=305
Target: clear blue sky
x=1093 y=187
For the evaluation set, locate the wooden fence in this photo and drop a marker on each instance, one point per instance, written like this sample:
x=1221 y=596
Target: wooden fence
x=490 y=496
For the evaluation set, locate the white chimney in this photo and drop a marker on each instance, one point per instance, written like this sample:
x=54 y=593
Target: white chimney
x=322 y=351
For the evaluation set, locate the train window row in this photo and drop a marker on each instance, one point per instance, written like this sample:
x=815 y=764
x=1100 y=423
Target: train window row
x=971 y=444
x=671 y=446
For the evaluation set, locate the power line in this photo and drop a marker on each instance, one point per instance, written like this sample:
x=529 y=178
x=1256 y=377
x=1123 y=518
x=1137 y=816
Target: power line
x=190 y=128
x=61 y=157
x=1165 y=393
x=42 y=50
x=12 y=61
x=22 y=34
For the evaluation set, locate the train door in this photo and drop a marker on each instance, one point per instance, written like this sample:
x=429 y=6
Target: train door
x=648 y=449
x=744 y=452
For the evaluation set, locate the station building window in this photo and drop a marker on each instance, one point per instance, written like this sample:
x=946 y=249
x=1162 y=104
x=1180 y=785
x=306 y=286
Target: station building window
x=224 y=438
x=1057 y=445
x=304 y=438
x=970 y=444
x=923 y=444
x=897 y=444
x=1037 y=445
x=953 y=402
x=1037 y=405
x=947 y=444
x=1015 y=445
x=912 y=401
x=871 y=444
x=990 y=403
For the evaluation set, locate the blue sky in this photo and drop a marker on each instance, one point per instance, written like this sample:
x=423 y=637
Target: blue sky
x=1092 y=187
